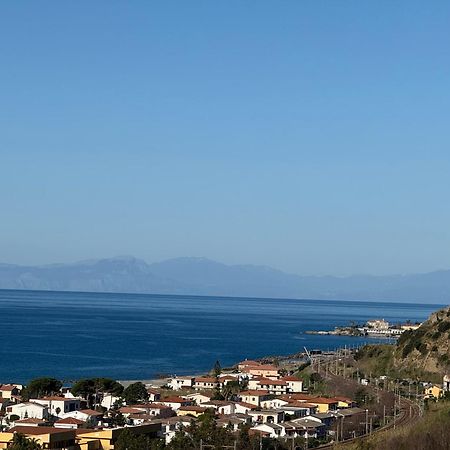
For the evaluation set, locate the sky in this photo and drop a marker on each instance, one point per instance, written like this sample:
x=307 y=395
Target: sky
x=308 y=136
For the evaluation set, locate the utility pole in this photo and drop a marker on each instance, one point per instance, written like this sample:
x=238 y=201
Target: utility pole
x=367 y=421
x=384 y=415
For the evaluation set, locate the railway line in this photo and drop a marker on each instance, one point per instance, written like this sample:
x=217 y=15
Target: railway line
x=408 y=412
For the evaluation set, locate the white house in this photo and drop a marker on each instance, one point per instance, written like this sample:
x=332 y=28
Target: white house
x=271 y=430
x=86 y=415
x=255 y=397
x=109 y=400
x=205 y=383
x=294 y=384
x=221 y=406
x=178 y=383
x=69 y=423
x=58 y=406
x=267 y=416
x=176 y=402
x=28 y=410
x=199 y=398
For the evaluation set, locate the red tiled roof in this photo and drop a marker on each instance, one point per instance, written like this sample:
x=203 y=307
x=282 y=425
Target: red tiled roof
x=91 y=412
x=291 y=378
x=130 y=410
x=272 y=382
x=174 y=400
x=71 y=421
x=7 y=387
x=247 y=405
x=199 y=409
x=30 y=420
x=205 y=380
x=254 y=393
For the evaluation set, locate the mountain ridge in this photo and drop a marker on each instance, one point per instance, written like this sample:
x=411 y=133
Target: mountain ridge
x=203 y=276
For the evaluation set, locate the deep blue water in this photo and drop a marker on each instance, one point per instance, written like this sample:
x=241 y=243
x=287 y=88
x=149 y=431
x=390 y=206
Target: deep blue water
x=126 y=336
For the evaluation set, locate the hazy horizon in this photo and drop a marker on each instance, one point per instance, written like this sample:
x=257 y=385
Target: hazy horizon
x=306 y=136
x=243 y=263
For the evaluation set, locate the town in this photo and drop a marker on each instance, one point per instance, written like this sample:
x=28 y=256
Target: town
x=264 y=401
x=372 y=328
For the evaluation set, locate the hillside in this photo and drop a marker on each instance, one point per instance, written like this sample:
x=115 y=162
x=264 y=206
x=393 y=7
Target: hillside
x=426 y=348
x=202 y=276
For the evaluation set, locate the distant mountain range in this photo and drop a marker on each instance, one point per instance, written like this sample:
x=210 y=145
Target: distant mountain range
x=201 y=276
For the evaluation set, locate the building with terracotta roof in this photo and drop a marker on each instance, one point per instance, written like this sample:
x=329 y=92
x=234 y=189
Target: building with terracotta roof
x=254 y=397
x=205 y=383
x=70 y=423
x=47 y=437
x=194 y=411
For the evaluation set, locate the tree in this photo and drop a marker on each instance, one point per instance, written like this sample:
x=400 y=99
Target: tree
x=129 y=441
x=135 y=393
x=21 y=442
x=41 y=387
x=217 y=369
x=93 y=389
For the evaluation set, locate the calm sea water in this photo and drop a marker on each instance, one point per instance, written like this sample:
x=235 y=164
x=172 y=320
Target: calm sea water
x=125 y=336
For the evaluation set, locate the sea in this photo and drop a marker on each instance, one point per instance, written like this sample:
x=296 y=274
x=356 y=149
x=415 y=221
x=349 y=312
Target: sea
x=73 y=335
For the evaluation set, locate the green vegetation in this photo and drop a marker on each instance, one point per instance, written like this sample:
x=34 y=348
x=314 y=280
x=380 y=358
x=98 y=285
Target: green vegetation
x=40 y=387
x=432 y=432
x=376 y=359
x=135 y=393
x=21 y=442
x=92 y=388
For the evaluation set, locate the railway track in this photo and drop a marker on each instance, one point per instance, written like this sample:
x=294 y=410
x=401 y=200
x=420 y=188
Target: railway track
x=408 y=413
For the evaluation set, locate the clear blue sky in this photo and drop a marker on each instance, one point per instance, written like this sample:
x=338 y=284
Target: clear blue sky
x=311 y=136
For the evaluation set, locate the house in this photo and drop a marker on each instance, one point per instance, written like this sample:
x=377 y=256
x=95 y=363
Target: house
x=8 y=391
x=324 y=404
x=181 y=383
x=299 y=409
x=127 y=411
x=194 y=411
x=254 y=397
x=273 y=386
x=69 y=423
x=294 y=384
x=244 y=408
x=433 y=391
x=31 y=422
x=47 y=437
x=28 y=410
x=446 y=383
x=170 y=426
x=59 y=405
x=247 y=363
x=199 y=398
x=306 y=428
x=327 y=418
x=205 y=383
x=225 y=379
x=176 y=402
x=234 y=421
x=154 y=409
x=378 y=324
x=109 y=400
x=270 y=430
x=262 y=370
x=221 y=406
x=153 y=395
x=141 y=418
x=267 y=416
x=345 y=402
x=86 y=415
